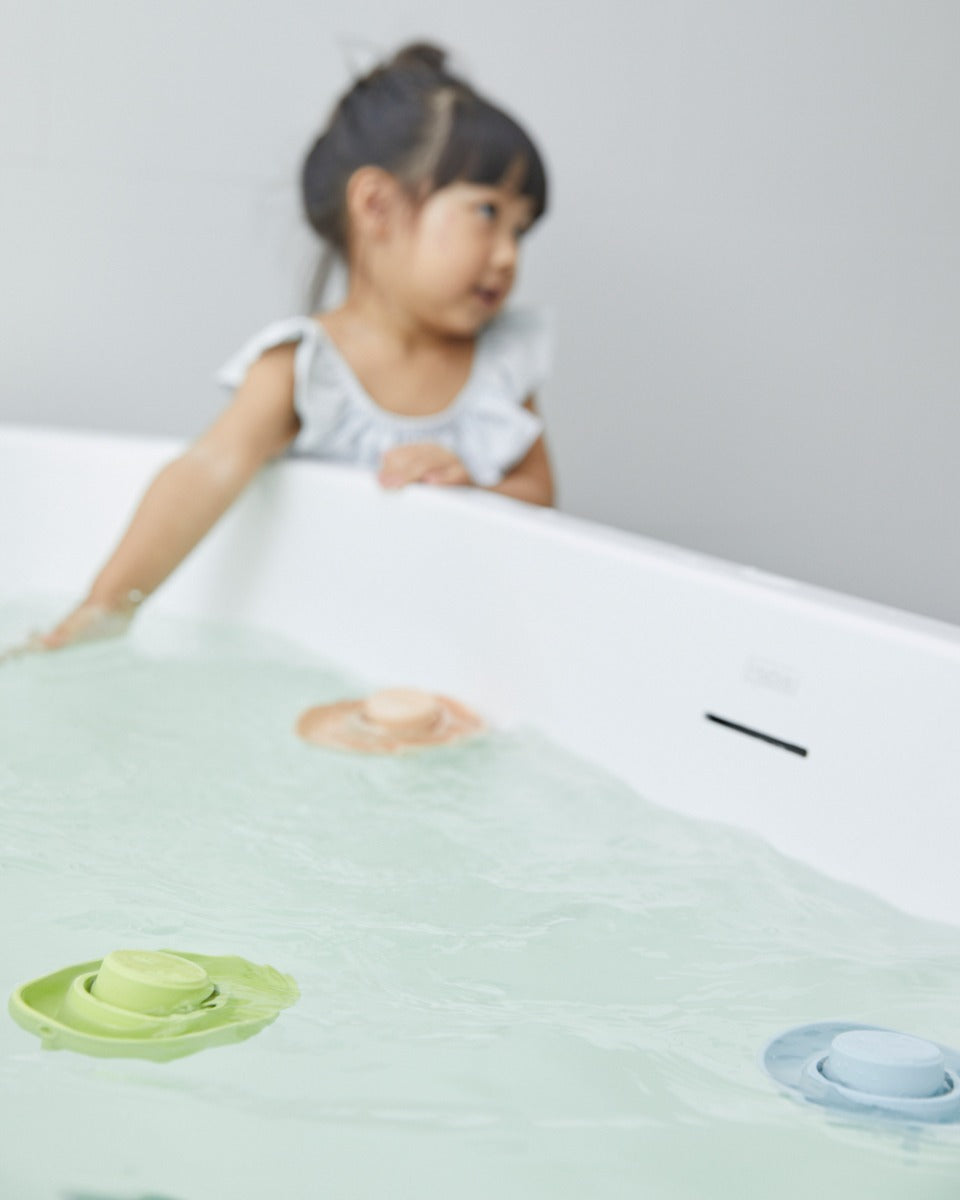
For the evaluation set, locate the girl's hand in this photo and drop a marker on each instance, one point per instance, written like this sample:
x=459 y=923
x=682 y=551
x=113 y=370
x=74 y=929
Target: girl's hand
x=422 y=462
x=89 y=622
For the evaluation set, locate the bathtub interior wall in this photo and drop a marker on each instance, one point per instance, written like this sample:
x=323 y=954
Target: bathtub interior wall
x=615 y=646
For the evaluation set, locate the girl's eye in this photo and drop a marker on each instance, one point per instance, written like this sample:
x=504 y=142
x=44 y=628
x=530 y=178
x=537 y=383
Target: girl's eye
x=489 y=210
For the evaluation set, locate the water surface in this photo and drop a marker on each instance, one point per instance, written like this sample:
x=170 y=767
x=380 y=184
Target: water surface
x=519 y=978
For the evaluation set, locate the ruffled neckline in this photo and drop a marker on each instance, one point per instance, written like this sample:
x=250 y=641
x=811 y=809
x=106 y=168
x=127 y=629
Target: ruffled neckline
x=408 y=420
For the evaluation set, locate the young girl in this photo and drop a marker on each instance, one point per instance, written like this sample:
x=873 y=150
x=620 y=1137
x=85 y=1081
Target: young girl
x=425 y=190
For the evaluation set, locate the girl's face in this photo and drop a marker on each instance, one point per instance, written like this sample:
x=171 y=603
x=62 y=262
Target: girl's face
x=453 y=257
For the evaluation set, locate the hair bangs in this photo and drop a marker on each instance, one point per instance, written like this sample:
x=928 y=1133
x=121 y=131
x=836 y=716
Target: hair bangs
x=487 y=146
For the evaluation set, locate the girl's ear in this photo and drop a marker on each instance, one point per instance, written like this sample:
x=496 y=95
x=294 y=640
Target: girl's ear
x=373 y=198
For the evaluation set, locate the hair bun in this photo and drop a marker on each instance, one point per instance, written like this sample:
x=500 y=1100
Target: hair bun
x=421 y=54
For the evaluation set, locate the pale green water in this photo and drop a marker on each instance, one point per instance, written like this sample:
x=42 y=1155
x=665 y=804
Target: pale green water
x=518 y=978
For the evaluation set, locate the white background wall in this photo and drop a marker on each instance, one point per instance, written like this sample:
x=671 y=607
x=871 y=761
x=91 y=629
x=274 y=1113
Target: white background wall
x=753 y=253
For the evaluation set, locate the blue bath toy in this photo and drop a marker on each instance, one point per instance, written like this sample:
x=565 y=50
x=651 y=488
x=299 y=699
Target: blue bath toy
x=867 y=1069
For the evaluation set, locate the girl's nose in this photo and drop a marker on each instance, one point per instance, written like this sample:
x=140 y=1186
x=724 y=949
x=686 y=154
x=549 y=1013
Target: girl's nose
x=505 y=252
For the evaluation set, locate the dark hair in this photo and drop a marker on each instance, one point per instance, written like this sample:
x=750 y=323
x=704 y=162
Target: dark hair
x=427 y=127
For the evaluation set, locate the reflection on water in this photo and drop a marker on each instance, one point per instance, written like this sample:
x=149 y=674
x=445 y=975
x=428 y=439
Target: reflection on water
x=518 y=977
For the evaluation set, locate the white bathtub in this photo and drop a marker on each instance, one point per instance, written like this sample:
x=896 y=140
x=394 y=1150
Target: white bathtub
x=618 y=647
x=614 y=645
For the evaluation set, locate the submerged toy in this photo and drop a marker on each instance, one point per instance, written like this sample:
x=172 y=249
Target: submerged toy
x=865 y=1069
x=155 y=1004
x=389 y=722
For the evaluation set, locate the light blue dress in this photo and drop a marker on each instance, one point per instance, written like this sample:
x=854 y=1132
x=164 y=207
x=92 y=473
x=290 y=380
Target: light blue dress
x=485 y=425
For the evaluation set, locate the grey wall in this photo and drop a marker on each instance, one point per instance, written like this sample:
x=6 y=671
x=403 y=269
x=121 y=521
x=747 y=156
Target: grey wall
x=754 y=251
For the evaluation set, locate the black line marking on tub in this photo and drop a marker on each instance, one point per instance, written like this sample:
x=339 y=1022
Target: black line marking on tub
x=756 y=733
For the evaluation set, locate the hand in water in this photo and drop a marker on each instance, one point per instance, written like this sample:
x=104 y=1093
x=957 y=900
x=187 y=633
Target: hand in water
x=422 y=462
x=87 y=623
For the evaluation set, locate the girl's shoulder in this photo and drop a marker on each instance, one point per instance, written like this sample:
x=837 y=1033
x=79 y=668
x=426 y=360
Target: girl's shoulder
x=323 y=390
x=278 y=333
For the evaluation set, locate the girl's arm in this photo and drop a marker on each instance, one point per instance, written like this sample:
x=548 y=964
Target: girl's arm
x=532 y=478
x=187 y=498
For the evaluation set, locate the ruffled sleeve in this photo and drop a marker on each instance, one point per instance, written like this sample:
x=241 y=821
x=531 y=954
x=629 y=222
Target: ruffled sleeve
x=294 y=329
x=318 y=407
x=520 y=345
x=496 y=432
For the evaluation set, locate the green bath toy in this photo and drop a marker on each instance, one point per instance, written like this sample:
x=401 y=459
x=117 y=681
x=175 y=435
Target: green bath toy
x=157 y=1004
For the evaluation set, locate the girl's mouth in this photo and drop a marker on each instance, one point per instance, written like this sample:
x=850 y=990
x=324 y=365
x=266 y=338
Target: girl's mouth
x=490 y=297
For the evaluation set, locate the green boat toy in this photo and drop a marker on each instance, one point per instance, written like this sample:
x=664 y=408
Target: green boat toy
x=155 y=1004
